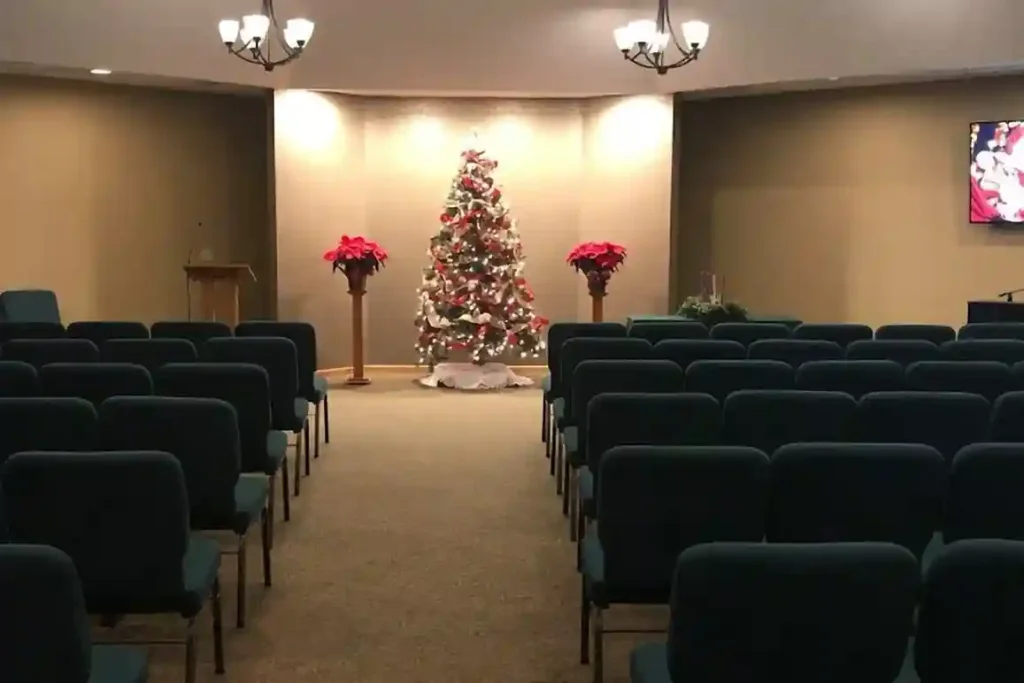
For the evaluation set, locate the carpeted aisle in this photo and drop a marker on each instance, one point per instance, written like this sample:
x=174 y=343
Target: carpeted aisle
x=427 y=547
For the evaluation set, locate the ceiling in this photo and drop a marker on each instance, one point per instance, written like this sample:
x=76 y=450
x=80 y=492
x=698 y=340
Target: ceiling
x=539 y=48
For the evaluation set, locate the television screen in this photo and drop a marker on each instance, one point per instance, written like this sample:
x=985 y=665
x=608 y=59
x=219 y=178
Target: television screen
x=997 y=172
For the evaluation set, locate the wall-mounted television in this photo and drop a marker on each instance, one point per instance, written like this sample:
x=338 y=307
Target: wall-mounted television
x=997 y=172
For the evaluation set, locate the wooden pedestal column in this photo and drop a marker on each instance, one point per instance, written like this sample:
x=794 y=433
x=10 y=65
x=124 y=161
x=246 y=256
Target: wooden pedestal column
x=357 y=289
x=596 y=307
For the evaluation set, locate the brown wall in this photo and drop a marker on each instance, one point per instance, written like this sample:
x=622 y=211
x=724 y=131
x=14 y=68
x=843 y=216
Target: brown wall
x=571 y=170
x=102 y=187
x=842 y=205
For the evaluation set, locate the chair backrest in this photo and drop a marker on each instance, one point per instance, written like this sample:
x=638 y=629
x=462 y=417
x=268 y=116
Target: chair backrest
x=149 y=353
x=684 y=352
x=18 y=378
x=1008 y=418
x=984 y=498
x=653 y=502
x=578 y=349
x=936 y=334
x=655 y=332
x=824 y=493
x=29 y=306
x=201 y=433
x=46 y=424
x=902 y=351
x=854 y=377
x=947 y=421
x=720 y=378
x=39 y=352
x=196 y=331
x=634 y=419
x=121 y=517
x=27 y=330
x=843 y=334
x=559 y=333
x=991 y=331
x=102 y=331
x=43 y=604
x=969 y=624
x=748 y=333
x=1007 y=351
x=95 y=382
x=244 y=385
x=768 y=419
x=278 y=356
x=796 y=352
x=987 y=378
x=800 y=613
x=594 y=377
x=302 y=334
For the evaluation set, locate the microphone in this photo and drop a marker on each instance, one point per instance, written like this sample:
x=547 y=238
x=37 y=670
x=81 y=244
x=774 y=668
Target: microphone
x=1009 y=295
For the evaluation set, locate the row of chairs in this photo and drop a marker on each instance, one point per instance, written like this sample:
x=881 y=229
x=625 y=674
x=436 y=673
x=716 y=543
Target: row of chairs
x=841 y=333
x=656 y=502
x=133 y=342
x=841 y=612
x=215 y=421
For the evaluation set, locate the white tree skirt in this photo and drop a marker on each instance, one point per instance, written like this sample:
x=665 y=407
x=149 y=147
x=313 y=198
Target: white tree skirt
x=474 y=377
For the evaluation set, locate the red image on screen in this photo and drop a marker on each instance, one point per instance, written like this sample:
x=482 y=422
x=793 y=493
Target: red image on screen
x=997 y=172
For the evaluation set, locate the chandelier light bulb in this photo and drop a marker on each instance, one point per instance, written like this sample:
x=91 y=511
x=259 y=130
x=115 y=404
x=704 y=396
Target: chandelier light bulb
x=228 y=29
x=624 y=38
x=696 y=34
x=255 y=27
x=300 y=30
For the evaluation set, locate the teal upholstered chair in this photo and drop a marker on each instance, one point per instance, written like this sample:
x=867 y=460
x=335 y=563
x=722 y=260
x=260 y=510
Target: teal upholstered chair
x=18 y=379
x=39 y=352
x=853 y=377
x=796 y=352
x=43 y=604
x=768 y=419
x=945 y=421
x=202 y=434
x=902 y=351
x=101 y=331
x=29 y=306
x=46 y=424
x=936 y=334
x=1007 y=351
x=801 y=613
x=842 y=334
x=984 y=501
x=151 y=354
x=123 y=520
x=968 y=625
x=655 y=332
x=95 y=382
x=30 y=330
x=990 y=378
x=991 y=331
x=719 y=378
x=654 y=502
x=196 y=331
x=289 y=411
x=312 y=386
x=247 y=388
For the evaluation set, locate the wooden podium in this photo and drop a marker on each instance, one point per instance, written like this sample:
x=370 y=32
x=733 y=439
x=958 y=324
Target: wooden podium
x=218 y=289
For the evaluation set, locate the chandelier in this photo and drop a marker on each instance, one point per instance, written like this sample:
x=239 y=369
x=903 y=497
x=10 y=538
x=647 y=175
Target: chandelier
x=253 y=38
x=646 y=43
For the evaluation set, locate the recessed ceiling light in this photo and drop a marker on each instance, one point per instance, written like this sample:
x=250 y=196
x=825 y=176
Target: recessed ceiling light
x=100 y=72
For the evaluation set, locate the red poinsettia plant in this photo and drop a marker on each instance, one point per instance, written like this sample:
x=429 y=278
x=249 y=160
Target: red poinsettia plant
x=597 y=261
x=357 y=257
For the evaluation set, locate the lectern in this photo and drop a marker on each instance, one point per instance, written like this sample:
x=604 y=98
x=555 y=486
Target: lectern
x=218 y=289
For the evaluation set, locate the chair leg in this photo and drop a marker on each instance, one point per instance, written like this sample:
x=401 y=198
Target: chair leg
x=218 y=630
x=598 y=666
x=544 y=420
x=266 y=530
x=574 y=507
x=327 y=420
x=559 y=450
x=567 y=482
x=271 y=512
x=285 y=491
x=298 y=464
x=584 y=623
x=549 y=447
x=316 y=431
x=581 y=521
x=305 y=441
x=190 y=656
x=240 y=608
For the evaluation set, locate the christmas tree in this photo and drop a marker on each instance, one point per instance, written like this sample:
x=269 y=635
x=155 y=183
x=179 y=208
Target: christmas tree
x=474 y=296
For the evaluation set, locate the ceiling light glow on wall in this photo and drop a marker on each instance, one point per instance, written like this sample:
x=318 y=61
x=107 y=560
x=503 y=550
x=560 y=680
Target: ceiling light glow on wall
x=262 y=40
x=647 y=43
x=100 y=72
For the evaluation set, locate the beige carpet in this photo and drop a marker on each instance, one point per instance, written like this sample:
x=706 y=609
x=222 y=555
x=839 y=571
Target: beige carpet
x=428 y=546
